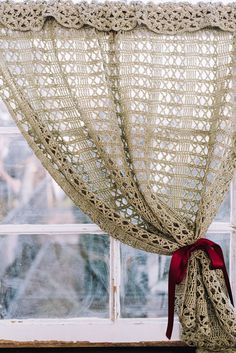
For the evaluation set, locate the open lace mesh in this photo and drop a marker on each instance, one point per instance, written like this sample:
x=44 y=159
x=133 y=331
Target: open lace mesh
x=137 y=125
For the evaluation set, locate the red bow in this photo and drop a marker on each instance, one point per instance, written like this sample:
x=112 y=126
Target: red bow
x=178 y=269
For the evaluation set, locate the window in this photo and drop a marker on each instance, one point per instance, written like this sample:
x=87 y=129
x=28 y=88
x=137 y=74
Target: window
x=61 y=278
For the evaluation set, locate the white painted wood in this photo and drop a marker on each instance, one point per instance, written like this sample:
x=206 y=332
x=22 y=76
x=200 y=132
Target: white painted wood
x=232 y=272
x=216 y=227
x=233 y=201
x=232 y=262
x=89 y=330
x=114 y=301
x=63 y=229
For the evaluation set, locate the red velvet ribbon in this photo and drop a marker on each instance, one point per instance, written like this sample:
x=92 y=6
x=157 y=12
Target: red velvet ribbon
x=178 y=269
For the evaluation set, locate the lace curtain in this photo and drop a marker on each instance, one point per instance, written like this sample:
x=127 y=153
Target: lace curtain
x=131 y=109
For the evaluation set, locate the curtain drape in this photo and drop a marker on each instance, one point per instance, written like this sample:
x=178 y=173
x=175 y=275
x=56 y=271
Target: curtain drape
x=131 y=109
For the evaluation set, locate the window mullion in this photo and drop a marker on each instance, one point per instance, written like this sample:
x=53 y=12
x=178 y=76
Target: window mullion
x=114 y=279
x=233 y=202
x=63 y=229
x=232 y=272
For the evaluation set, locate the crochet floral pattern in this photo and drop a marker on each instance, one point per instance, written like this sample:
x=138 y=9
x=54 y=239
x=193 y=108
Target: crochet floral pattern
x=117 y=16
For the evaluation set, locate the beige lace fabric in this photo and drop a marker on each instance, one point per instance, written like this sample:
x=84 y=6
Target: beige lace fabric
x=131 y=109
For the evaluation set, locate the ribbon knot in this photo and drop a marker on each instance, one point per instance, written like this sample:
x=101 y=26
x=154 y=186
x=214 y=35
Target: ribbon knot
x=178 y=269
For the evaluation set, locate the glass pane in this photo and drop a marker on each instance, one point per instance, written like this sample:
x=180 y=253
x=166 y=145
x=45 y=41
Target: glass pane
x=28 y=194
x=223 y=214
x=223 y=239
x=45 y=276
x=5 y=119
x=144 y=283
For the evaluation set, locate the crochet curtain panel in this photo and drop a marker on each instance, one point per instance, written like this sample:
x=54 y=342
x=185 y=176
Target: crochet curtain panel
x=131 y=109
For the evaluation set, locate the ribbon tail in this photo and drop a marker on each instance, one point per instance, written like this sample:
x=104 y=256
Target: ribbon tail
x=171 y=306
x=171 y=302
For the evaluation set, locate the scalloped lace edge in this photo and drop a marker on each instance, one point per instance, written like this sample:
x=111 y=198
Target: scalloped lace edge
x=169 y=18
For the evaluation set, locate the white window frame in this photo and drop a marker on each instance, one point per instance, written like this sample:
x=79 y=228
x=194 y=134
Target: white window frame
x=91 y=331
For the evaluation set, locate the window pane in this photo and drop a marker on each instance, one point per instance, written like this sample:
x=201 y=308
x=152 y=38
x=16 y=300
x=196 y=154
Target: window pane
x=28 y=194
x=144 y=281
x=223 y=214
x=5 y=119
x=223 y=239
x=45 y=276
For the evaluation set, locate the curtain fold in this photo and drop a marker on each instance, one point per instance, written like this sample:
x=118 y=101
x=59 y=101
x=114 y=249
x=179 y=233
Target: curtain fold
x=132 y=112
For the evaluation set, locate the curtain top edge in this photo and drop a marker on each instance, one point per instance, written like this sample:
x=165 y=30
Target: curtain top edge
x=166 y=18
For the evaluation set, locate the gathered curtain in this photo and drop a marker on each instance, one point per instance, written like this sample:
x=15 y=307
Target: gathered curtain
x=131 y=109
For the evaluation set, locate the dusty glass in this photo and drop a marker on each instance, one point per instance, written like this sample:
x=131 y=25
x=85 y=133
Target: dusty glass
x=50 y=276
x=28 y=193
x=223 y=215
x=5 y=119
x=144 y=280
